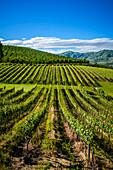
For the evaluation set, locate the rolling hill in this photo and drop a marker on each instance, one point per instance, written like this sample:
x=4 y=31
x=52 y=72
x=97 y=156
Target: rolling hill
x=15 y=54
x=100 y=57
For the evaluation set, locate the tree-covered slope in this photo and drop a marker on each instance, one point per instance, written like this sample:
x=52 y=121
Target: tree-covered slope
x=15 y=54
x=101 y=57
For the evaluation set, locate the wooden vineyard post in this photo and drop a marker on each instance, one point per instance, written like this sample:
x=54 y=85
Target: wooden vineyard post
x=85 y=149
x=108 y=138
x=77 y=137
x=83 y=119
x=108 y=142
x=27 y=146
x=89 y=153
x=102 y=134
x=1 y=52
x=92 y=159
x=99 y=131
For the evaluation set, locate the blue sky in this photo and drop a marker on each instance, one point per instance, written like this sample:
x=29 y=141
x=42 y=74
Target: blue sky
x=57 y=25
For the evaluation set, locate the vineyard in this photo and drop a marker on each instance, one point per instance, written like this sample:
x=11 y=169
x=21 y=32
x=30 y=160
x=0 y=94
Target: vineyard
x=54 y=74
x=62 y=120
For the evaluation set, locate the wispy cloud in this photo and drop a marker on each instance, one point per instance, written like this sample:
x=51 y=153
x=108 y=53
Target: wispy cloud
x=23 y=38
x=12 y=42
x=57 y=45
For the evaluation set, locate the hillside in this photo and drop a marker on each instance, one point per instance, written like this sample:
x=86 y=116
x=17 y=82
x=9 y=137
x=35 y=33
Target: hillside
x=15 y=54
x=101 y=57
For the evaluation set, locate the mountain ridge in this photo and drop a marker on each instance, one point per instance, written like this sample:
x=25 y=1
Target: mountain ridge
x=100 y=57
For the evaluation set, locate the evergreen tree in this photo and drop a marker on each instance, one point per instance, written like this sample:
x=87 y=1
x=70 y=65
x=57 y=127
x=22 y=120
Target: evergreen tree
x=1 y=53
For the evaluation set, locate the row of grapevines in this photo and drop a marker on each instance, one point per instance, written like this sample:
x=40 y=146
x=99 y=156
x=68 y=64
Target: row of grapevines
x=17 y=93
x=72 y=75
x=18 y=98
x=40 y=74
x=25 y=129
x=48 y=80
x=7 y=92
x=24 y=96
x=8 y=114
x=84 y=77
x=91 y=79
x=64 y=77
x=103 y=73
x=93 y=102
x=101 y=113
x=58 y=76
x=67 y=74
x=54 y=80
x=4 y=68
x=94 y=75
x=7 y=99
x=20 y=115
x=78 y=76
x=19 y=74
x=4 y=79
x=20 y=80
x=45 y=75
x=27 y=78
x=34 y=76
x=22 y=74
x=4 y=74
x=9 y=79
x=82 y=129
x=91 y=118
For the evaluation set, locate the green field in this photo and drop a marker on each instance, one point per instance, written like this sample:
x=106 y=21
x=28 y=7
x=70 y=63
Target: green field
x=56 y=117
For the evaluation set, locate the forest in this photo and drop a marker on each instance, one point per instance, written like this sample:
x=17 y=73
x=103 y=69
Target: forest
x=15 y=54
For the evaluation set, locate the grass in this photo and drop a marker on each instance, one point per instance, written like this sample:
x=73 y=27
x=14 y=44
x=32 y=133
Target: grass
x=26 y=87
x=108 y=73
x=107 y=87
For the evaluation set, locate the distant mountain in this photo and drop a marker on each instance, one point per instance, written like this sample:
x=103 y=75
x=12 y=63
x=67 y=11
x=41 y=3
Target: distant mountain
x=101 y=57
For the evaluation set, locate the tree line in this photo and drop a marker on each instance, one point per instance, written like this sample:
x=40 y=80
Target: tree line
x=16 y=54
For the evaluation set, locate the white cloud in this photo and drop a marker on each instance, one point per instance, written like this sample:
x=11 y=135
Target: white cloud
x=1 y=39
x=57 y=51
x=23 y=38
x=57 y=45
x=12 y=42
